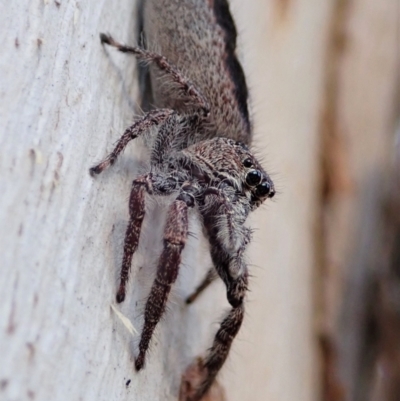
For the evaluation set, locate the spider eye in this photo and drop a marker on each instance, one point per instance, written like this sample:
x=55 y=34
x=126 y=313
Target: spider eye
x=242 y=145
x=253 y=178
x=248 y=163
x=264 y=189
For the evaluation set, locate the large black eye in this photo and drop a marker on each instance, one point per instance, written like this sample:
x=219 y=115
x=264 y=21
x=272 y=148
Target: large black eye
x=247 y=163
x=253 y=178
x=264 y=189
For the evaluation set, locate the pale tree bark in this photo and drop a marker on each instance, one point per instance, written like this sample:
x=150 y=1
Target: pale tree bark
x=65 y=101
x=284 y=43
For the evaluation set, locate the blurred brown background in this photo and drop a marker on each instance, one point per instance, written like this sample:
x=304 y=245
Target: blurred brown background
x=325 y=79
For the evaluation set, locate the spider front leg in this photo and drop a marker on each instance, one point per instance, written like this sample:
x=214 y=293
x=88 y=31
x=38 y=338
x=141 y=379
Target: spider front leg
x=194 y=388
x=227 y=332
x=224 y=216
x=175 y=235
x=149 y=120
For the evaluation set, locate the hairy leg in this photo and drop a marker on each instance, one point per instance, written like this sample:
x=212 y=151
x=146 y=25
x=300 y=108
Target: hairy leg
x=218 y=353
x=150 y=183
x=136 y=212
x=236 y=290
x=208 y=279
x=224 y=218
x=149 y=120
x=228 y=239
x=175 y=235
x=183 y=83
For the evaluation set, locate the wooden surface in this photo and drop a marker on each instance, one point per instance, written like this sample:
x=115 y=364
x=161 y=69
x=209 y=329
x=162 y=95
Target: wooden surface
x=64 y=101
x=275 y=357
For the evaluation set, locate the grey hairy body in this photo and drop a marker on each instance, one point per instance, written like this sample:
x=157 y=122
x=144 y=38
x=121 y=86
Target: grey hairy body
x=200 y=141
x=194 y=36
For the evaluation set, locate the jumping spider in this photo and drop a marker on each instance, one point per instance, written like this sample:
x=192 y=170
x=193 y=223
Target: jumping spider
x=218 y=176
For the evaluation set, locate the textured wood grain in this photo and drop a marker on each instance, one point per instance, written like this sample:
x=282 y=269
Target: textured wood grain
x=64 y=102
x=275 y=355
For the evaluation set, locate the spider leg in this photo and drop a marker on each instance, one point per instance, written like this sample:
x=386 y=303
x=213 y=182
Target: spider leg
x=175 y=235
x=184 y=84
x=224 y=216
x=149 y=183
x=228 y=330
x=228 y=238
x=136 y=212
x=149 y=120
x=207 y=280
x=223 y=339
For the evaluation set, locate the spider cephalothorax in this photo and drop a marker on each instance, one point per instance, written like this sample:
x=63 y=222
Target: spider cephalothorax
x=224 y=161
x=199 y=155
